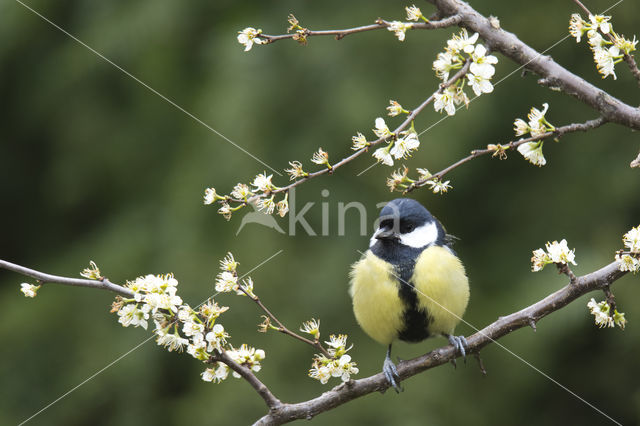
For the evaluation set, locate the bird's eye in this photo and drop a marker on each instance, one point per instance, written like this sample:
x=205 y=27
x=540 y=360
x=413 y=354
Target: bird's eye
x=407 y=227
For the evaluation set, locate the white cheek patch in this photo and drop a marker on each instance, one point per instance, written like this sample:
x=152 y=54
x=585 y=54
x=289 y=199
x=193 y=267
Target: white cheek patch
x=423 y=236
x=373 y=239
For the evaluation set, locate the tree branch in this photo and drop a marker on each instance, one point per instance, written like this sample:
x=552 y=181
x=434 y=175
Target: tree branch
x=569 y=128
x=43 y=278
x=554 y=75
x=379 y=24
x=246 y=373
x=528 y=316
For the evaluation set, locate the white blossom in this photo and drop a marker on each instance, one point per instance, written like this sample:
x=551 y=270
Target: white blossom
x=311 y=327
x=220 y=373
x=381 y=130
x=539 y=260
x=266 y=204
x=439 y=187
x=479 y=76
x=173 y=342
x=320 y=372
x=399 y=28
x=403 y=147
x=248 y=37
x=241 y=191
x=606 y=59
x=262 y=183
x=462 y=42
x=226 y=281
x=413 y=13
x=92 y=272
x=576 y=27
x=600 y=311
x=296 y=170
x=559 y=252
x=163 y=301
x=345 y=368
x=395 y=108
x=320 y=157
x=443 y=65
x=216 y=338
x=130 y=314
x=445 y=100
x=228 y=263
x=191 y=328
x=247 y=356
x=532 y=152
x=210 y=195
x=383 y=156
x=600 y=22
x=359 y=142
x=29 y=290
x=225 y=211
x=631 y=239
x=521 y=127
x=627 y=263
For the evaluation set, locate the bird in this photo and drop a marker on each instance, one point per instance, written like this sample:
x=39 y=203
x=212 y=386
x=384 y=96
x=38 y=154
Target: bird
x=410 y=284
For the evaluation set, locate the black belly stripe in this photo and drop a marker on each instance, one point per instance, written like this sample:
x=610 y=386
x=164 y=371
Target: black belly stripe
x=416 y=321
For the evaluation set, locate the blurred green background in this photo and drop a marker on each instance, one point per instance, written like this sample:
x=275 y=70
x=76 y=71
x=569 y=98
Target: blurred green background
x=96 y=167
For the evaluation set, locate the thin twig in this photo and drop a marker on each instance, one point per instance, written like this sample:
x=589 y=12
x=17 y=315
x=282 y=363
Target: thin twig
x=410 y=117
x=346 y=392
x=379 y=24
x=246 y=373
x=570 y=128
x=43 y=278
x=282 y=328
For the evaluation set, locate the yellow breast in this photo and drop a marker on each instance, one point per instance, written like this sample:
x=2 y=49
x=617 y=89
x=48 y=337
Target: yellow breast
x=442 y=287
x=376 y=304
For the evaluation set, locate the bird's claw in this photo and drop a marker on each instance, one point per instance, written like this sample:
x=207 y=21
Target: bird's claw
x=391 y=372
x=460 y=344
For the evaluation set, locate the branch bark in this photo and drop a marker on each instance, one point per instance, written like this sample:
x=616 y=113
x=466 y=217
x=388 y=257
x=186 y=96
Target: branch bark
x=526 y=317
x=43 y=278
x=553 y=74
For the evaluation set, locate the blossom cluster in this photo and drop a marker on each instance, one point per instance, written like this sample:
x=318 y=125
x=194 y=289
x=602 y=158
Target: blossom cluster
x=181 y=328
x=536 y=126
x=607 y=52
x=228 y=281
x=399 y=29
x=604 y=317
x=628 y=260
x=400 y=146
x=460 y=49
x=556 y=252
x=400 y=181
x=260 y=191
x=338 y=365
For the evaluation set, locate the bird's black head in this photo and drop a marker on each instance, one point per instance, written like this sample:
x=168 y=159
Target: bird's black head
x=405 y=228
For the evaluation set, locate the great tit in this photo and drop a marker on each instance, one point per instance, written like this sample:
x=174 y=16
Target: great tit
x=410 y=284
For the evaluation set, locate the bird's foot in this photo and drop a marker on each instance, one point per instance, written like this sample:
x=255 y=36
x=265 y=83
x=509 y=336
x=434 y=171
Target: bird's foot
x=391 y=372
x=460 y=344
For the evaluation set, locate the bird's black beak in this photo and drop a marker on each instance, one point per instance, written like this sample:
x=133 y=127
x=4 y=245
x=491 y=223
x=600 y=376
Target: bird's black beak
x=386 y=234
